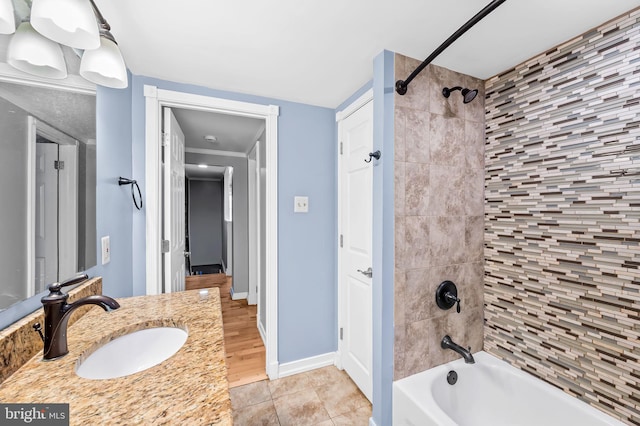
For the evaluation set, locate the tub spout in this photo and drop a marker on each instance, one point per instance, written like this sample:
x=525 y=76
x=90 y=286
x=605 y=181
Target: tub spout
x=447 y=343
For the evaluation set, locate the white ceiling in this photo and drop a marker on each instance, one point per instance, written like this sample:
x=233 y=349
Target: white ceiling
x=320 y=51
x=233 y=133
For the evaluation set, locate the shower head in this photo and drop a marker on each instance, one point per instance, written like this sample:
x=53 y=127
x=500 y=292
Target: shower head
x=467 y=94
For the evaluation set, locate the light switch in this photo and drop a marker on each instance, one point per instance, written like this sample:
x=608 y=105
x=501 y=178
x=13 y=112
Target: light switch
x=106 y=250
x=301 y=204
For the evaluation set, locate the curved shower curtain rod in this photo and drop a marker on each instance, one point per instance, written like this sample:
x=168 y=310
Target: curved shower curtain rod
x=401 y=85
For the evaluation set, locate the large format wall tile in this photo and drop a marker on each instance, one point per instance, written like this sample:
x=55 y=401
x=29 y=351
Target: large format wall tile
x=562 y=278
x=439 y=226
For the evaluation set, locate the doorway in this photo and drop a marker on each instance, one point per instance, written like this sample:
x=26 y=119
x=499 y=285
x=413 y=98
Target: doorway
x=156 y=100
x=209 y=233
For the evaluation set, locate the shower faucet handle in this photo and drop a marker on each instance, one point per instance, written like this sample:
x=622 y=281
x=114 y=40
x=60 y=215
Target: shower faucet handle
x=453 y=299
x=447 y=296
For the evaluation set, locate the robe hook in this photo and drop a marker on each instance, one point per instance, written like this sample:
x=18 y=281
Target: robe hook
x=376 y=154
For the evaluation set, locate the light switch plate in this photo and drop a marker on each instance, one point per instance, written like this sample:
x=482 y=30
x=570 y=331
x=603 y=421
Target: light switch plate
x=106 y=250
x=300 y=204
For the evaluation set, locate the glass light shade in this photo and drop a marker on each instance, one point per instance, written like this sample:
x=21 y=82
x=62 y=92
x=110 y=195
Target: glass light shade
x=7 y=20
x=69 y=22
x=35 y=54
x=105 y=66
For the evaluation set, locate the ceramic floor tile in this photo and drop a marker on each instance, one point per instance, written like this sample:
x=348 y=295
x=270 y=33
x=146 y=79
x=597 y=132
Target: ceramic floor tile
x=303 y=408
x=262 y=414
x=322 y=397
x=251 y=394
x=326 y=375
x=359 y=417
x=289 y=385
x=341 y=397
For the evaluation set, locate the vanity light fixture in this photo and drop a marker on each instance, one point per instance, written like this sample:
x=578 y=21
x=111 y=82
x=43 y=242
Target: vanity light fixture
x=68 y=22
x=31 y=52
x=202 y=166
x=7 y=18
x=104 y=65
x=78 y=24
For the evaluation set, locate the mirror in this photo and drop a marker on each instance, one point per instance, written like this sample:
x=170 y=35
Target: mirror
x=47 y=187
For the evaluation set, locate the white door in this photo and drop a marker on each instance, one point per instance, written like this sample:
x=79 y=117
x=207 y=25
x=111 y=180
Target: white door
x=46 y=215
x=254 y=224
x=356 y=178
x=173 y=195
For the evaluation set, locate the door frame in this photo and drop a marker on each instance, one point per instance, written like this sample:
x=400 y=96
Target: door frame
x=155 y=100
x=340 y=116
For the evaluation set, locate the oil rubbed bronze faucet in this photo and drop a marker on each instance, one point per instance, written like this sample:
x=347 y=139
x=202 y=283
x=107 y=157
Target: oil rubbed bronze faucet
x=57 y=312
x=447 y=343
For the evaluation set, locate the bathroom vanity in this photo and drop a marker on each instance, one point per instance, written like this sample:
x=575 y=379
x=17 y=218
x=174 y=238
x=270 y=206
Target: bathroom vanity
x=188 y=388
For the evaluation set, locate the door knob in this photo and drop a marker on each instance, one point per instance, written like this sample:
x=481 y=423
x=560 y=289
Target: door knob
x=187 y=253
x=368 y=273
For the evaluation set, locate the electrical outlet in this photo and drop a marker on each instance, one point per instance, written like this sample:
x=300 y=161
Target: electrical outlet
x=106 y=250
x=300 y=204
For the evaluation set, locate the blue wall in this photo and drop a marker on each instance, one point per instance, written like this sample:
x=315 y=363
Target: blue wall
x=307 y=249
x=114 y=207
x=351 y=99
x=383 y=237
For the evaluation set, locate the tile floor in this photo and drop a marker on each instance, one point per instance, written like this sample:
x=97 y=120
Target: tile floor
x=323 y=397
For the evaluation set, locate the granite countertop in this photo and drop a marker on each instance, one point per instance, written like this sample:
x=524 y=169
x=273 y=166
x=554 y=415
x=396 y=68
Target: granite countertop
x=189 y=388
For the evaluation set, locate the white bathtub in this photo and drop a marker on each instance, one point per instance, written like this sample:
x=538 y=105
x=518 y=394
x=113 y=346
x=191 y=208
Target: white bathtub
x=488 y=393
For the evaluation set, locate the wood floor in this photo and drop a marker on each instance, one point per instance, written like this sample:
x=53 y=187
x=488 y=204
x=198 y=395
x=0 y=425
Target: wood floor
x=242 y=341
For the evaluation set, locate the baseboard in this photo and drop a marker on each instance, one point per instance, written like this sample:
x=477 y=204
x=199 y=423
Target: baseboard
x=306 y=364
x=238 y=296
x=272 y=371
x=263 y=333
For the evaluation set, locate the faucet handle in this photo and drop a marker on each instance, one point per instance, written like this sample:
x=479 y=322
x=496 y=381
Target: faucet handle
x=453 y=299
x=55 y=287
x=447 y=296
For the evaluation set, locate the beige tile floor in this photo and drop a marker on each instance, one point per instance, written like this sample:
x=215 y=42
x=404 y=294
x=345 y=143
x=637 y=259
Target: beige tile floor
x=323 y=397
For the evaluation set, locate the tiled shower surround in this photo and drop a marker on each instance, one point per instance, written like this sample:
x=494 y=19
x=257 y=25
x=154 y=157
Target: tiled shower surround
x=562 y=217
x=439 y=208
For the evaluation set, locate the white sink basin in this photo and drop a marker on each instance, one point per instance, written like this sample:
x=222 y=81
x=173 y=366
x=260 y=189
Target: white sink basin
x=132 y=353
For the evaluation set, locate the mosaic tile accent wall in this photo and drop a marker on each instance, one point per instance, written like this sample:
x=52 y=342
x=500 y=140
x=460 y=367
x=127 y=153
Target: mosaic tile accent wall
x=562 y=217
x=439 y=226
